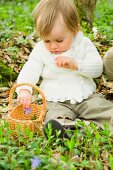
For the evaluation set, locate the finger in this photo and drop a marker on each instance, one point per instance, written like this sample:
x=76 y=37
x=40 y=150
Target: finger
x=25 y=103
x=28 y=102
x=65 y=64
x=58 y=57
x=22 y=101
x=58 y=62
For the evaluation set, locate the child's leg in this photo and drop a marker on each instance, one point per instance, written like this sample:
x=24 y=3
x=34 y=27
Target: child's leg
x=56 y=126
x=59 y=114
x=98 y=110
x=108 y=64
x=62 y=112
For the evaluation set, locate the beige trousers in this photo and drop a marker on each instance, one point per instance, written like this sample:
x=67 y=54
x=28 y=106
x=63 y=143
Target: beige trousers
x=96 y=109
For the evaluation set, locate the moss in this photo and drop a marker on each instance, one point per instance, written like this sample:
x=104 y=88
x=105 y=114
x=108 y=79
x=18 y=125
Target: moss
x=6 y=73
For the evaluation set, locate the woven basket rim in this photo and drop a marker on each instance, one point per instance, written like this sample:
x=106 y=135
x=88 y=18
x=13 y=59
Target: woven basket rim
x=27 y=122
x=26 y=84
x=24 y=121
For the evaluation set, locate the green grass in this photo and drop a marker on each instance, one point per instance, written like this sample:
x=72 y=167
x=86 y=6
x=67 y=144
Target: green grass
x=88 y=148
x=103 y=19
x=16 y=15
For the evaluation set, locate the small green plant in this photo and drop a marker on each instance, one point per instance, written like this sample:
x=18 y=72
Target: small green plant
x=70 y=144
x=48 y=132
x=103 y=19
x=111 y=161
x=83 y=150
x=16 y=15
x=34 y=117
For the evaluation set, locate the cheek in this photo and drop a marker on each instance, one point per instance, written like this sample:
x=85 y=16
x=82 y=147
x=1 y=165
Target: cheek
x=47 y=46
x=67 y=44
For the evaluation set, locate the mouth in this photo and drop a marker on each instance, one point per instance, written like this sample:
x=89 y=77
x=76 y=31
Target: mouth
x=56 y=52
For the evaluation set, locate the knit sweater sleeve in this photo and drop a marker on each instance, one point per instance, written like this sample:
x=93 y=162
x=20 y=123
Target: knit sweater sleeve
x=91 y=65
x=32 y=69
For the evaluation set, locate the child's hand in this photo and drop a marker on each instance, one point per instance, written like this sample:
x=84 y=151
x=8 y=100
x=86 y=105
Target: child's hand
x=24 y=98
x=66 y=62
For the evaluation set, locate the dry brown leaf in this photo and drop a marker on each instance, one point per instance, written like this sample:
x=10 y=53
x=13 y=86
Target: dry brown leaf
x=3 y=101
x=3 y=89
x=106 y=83
x=26 y=50
x=8 y=59
x=4 y=94
x=56 y=154
x=104 y=156
x=3 y=109
x=20 y=54
x=1 y=53
x=5 y=116
x=106 y=167
x=32 y=43
x=98 y=44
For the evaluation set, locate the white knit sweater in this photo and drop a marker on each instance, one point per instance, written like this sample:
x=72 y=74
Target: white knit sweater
x=60 y=84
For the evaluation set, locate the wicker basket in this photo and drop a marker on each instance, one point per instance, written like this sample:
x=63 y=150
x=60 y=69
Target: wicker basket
x=17 y=114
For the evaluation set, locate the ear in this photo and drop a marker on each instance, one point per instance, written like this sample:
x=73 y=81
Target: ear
x=75 y=32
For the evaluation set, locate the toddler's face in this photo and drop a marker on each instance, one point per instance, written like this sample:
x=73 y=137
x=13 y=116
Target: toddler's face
x=60 y=38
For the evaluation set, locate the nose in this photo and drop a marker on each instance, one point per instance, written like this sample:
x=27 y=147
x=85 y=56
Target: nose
x=53 y=46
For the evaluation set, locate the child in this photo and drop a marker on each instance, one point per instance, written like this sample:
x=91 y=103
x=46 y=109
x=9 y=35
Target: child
x=68 y=61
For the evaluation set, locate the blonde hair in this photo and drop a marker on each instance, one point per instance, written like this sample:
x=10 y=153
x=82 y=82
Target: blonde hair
x=46 y=12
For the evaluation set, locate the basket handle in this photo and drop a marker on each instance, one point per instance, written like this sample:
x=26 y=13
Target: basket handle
x=24 y=84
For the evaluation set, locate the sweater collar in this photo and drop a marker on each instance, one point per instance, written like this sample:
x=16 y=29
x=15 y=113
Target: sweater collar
x=77 y=38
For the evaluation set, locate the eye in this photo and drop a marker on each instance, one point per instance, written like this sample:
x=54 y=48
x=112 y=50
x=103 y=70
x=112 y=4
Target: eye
x=47 y=41
x=59 y=41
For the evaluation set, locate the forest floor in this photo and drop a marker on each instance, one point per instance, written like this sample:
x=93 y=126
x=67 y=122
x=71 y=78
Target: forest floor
x=89 y=148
